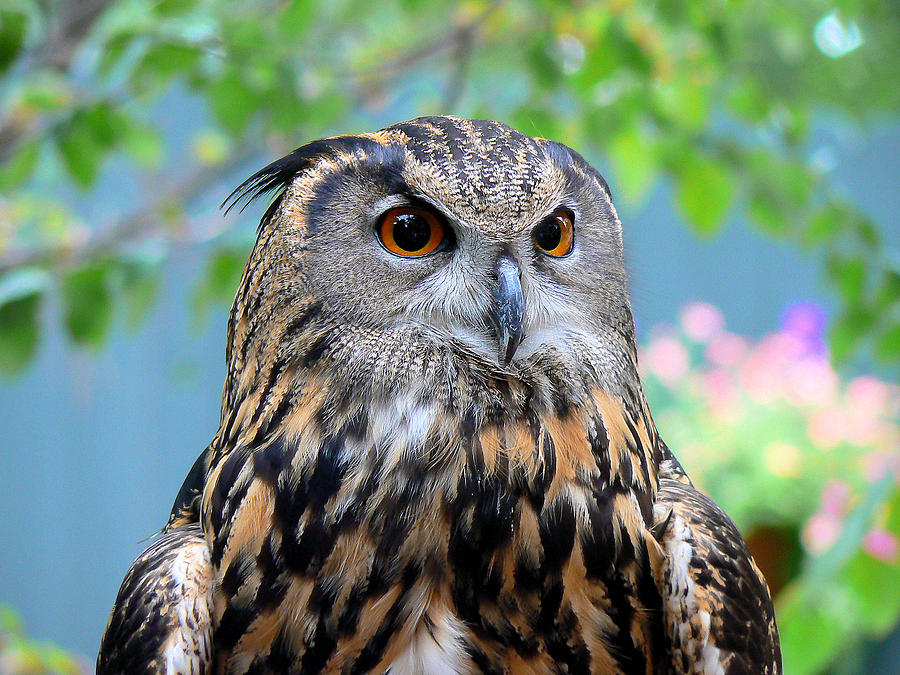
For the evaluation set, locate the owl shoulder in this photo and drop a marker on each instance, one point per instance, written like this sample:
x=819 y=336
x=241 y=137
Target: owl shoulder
x=162 y=618
x=717 y=608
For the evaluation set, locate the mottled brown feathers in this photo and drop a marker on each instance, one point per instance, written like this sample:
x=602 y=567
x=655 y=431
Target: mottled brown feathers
x=383 y=495
x=717 y=601
x=162 y=621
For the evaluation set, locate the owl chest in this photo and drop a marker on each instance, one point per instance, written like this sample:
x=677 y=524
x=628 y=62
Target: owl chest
x=354 y=568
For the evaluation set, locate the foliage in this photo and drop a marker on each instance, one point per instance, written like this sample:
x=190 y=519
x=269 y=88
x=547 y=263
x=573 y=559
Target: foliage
x=716 y=97
x=807 y=465
x=20 y=655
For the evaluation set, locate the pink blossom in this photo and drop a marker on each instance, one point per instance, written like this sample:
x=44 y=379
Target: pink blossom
x=667 y=359
x=825 y=427
x=861 y=426
x=702 y=322
x=881 y=544
x=821 y=532
x=726 y=349
x=869 y=393
x=763 y=373
x=877 y=464
x=810 y=381
x=835 y=498
x=722 y=394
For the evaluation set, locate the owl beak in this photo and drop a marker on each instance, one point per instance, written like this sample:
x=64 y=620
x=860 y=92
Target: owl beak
x=509 y=308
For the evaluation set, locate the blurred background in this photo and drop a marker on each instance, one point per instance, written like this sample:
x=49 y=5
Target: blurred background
x=753 y=149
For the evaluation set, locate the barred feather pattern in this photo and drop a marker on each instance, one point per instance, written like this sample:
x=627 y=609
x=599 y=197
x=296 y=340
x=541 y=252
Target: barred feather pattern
x=381 y=496
x=519 y=526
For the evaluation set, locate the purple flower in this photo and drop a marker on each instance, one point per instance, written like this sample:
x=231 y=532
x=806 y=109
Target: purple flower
x=806 y=321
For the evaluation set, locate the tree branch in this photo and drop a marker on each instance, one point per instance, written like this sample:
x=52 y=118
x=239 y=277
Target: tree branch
x=464 y=34
x=124 y=229
x=55 y=52
x=146 y=220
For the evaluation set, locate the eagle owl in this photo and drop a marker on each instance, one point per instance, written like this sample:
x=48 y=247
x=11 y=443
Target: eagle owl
x=434 y=453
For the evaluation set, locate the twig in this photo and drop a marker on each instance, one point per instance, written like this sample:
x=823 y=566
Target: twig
x=463 y=58
x=126 y=228
x=463 y=33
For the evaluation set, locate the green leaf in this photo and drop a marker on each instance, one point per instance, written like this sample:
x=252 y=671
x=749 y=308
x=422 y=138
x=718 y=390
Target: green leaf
x=19 y=332
x=849 y=275
x=115 y=48
x=93 y=132
x=825 y=223
x=47 y=91
x=87 y=302
x=747 y=100
x=80 y=153
x=20 y=165
x=232 y=102
x=535 y=120
x=888 y=294
x=12 y=36
x=544 y=69
x=846 y=332
x=297 y=17
x=704 y=193
x=636 y=162
x=21 y=291
x=220 y=282
x=810 y=634
x=174 y=7
x=86 y=138
x=162 y=62
x=140 y=287
x=684 y=101
x=887 y=345
x=876 y=586
x=867 y=232
x=766 y=211
x=142 y=143
x=10 y=621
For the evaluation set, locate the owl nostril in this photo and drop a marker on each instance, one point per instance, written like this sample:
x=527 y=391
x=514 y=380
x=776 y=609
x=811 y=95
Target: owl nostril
x=509 y=308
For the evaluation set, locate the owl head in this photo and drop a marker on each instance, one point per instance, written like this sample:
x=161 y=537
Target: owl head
x=434 y=236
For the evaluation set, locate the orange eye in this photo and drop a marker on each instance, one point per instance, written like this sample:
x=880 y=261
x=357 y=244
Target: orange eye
x=410 y=232
x=556 y=234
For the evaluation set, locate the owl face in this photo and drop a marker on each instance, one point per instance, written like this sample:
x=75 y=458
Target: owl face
x=470 y=231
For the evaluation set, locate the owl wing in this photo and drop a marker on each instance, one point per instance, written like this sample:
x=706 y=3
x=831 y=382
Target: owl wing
x=718 y=613
x=162 y=619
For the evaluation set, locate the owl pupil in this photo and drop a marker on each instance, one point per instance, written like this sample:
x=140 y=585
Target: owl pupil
x=548 y=235
x=411 y=231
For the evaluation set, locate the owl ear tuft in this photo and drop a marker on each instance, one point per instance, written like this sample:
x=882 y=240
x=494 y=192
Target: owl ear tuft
x=276 y=176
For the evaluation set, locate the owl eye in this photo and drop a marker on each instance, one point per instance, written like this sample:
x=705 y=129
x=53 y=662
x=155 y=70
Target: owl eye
x=410 y=232
x=556 y=234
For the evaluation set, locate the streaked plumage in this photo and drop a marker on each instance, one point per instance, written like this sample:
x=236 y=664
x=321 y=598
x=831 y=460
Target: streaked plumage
x=443 y=463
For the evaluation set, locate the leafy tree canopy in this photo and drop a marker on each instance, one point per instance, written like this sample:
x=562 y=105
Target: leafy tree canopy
x=716 y=97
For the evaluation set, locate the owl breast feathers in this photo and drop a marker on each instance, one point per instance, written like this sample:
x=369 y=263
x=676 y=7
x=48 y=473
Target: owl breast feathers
x=434 y=453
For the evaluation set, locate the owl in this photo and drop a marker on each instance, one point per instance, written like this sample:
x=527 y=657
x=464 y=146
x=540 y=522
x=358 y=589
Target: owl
x=434 y=452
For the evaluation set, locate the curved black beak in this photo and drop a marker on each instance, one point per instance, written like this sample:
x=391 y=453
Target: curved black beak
x=509 y=308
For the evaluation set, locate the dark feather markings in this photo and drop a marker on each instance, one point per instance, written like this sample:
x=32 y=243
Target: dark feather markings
x=742 y=621
x=144 y=615
x=185 y=505
x=278 y=175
